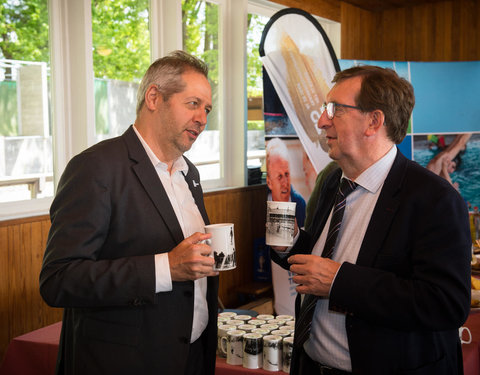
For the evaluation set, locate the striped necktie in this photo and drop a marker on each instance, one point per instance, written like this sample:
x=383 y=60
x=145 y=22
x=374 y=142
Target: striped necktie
x=304 y=321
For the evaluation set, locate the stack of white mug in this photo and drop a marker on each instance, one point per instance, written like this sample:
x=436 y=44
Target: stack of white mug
x=263 y=341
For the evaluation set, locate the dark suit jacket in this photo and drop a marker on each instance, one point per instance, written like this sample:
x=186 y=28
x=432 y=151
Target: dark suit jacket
x=110 y=216
x=409 y=291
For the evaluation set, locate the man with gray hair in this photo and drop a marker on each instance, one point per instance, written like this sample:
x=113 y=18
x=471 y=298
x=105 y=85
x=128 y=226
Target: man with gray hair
x=126 y=255
x=278 y=178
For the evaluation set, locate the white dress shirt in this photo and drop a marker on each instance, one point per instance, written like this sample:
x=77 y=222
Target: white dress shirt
x=191 y=221
x=328 y=339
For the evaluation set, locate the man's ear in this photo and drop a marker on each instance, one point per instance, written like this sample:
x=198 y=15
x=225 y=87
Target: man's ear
x=376 y=120
x=152 y=97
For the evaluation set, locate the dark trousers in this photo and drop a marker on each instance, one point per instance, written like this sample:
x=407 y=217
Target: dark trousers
x=195 y=359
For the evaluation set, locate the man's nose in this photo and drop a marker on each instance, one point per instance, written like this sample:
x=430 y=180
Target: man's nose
x=201 y=117
x=324 y=121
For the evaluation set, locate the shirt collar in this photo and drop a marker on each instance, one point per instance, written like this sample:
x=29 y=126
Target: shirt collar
x=178 y=165
x=373 y=177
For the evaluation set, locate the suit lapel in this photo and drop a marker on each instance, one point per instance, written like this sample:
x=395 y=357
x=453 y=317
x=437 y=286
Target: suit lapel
x=193 y=181
x=383 y=213
x=151 y=183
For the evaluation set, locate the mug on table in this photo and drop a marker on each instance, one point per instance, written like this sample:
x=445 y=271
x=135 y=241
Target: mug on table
x=232 y=346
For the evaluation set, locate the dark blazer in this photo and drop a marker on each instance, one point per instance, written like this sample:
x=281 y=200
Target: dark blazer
x=110 y=216
x=409 y=291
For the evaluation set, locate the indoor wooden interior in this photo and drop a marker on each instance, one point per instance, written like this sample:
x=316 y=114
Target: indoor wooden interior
x=404 y=31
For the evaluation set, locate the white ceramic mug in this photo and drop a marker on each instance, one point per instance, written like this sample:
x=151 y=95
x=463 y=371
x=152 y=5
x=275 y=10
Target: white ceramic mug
x=246 y=327
x=223 y=319
x=265 y=317
x=223 y=246
x=256 y=322
x=232 y=346
x=272 y=353
x=281 y=332
x=280 y=224
x=285 y=318
x=245 y=318
x=287 y=353
x=262 y=331
x=290 y=323
x=460 y=333
x=252 y=350
x=270 y=327
x=222 y=332
x=235 y=322
x=228 y=314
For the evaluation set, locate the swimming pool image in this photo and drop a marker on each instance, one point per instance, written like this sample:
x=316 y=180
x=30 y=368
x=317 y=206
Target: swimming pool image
x=467 y=175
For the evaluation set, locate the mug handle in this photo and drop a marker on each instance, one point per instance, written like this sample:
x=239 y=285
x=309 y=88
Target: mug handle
x=469 y=340
x=223 y=342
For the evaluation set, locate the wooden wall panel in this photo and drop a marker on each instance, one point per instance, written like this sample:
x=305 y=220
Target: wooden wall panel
x=246 y=209
x=329 y=9
x=359 y=32
x=4 y=296
x=440 y=31
x=22 y=244
x=392 y=46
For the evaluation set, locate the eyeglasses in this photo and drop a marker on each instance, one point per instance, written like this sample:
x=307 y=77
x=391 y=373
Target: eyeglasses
x=331 y=107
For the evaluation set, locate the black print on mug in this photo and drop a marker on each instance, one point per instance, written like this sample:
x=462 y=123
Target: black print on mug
x=287 y=360
x=275 y=345
x=219 y=257
x=272 y=344
x=253 y=347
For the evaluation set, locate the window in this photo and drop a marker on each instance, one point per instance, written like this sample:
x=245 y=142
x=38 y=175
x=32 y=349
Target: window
x=255 y=123
x=121 y=55
x=88 y=38
x=26 y=164
x=200 y=36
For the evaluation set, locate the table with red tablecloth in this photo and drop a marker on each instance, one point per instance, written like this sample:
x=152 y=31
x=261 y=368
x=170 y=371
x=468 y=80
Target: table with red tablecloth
x=35 y=353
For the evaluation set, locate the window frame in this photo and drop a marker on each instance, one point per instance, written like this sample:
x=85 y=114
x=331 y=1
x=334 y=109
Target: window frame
x=72 y=80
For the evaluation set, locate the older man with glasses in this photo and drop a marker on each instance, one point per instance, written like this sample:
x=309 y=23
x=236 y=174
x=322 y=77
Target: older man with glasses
x=384 y=271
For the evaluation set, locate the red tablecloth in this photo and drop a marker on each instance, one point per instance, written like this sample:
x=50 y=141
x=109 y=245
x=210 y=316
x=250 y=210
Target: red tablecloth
x=35 y=353
x=223 y=368
x=471 y=352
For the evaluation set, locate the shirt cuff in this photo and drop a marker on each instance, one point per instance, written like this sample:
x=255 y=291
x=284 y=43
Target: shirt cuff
x=163 y=279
